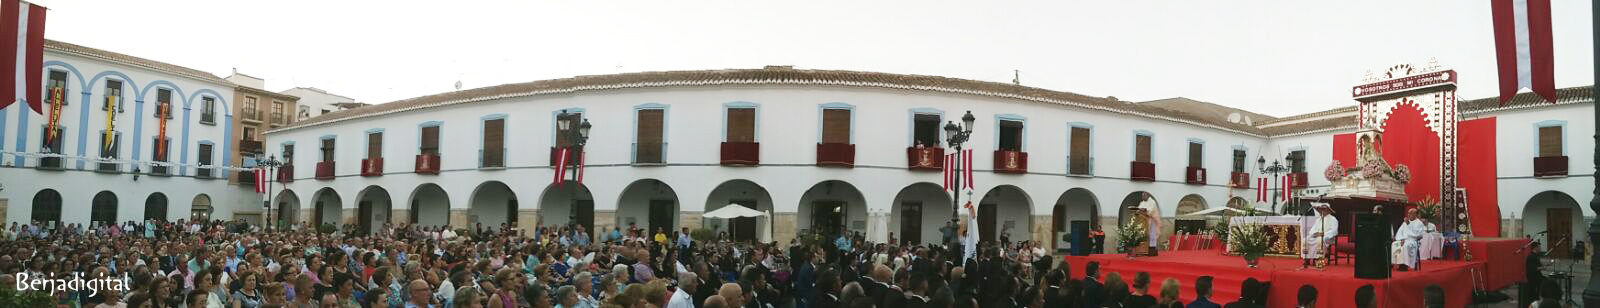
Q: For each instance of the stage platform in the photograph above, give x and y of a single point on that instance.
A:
(1336, 285)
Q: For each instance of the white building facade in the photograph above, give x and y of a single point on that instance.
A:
(820, 150)
(79, 177)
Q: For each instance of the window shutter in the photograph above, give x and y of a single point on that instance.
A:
(1195, 154)
(1011, 135)
(1142, 148)
(927, 130)
(836, 126)
(205, 154)
(375, 145)
(1549, 141)
(561, 135)
(741, 125)
(648, 149)
(494, 143)
(288, 154)
(1080, 150)
(327, 150)
(1238, 161)
(430, 140)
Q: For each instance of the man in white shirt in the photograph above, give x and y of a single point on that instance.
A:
(688, 282)
(969, 235)
(1315, 245)
(1410, 234)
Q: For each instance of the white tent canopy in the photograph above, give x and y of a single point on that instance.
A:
(734, 211)
(1215, 211)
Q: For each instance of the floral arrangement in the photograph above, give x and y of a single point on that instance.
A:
(1249, 240)
(1130, 234)
(1428, 209)
(1402, 174)
(1372, 169)
(1335, 172)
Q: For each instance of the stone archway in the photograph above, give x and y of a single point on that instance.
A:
(493, 203)
(286, 208)
(572, 202)
(1238, 203)
(1129, 203)
(1559, 214)
(1189, 224)
(155, 207)
(103, 209)
(373, 209)
(1004, 210)
(1075, 213)
(831, 207)
(919, 212)
(327, 208)
(47, 206)
(430, 206)
(650, 204)
(747, 194)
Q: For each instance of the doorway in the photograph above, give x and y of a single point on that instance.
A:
(583, 211)
(827, 218)
(910, 222)
(1559, 222)
(986, 221)
(661, 215)
(743, 228)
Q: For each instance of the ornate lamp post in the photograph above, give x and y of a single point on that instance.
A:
(577, 138)
(958, 135)
(270, 165)
(1591, 295)
(1276, 169)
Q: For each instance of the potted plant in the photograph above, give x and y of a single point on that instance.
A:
(1250, 241)
(1129, 235)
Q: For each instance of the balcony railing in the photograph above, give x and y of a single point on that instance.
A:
(1142, 171)
(555, 156)
(286, 173)
(250, 146)
(50, 163)
(741, 153)
(160, 170)
(204, 173)
(108, 167)
(372, 167)
(1194, 175)
(836, 155)
(1239, 180)
(649, 153)
(1550, 166)
(277, 119)
(1301, 179)
(325, 170)
(208, 118)
(250, 115)
(925, 158)
(1010, 161)
(427, 164)
(246, 177)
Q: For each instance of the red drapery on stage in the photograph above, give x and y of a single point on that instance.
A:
(1407, 140)
(1344, 151)
(1476, 146)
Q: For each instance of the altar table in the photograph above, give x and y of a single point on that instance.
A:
(1283, 232)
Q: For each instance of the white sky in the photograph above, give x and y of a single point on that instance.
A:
(1273, 57)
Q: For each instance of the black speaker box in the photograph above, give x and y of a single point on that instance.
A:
(1372, 241)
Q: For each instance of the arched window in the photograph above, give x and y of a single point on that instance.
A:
(47, 206)
(155, 207)
(104, 208)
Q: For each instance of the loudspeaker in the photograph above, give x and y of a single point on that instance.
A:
(1372, 240)
(1080, 238)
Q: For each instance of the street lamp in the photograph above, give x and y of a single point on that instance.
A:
(1277, 168)
(576, 139)
(958, 135)
(270, 165)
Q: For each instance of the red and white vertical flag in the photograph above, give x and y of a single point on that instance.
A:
(966, 167)
(949, 168)
(21, 54)
(1288, 182)
(261, 181)
(1261, 189)
(561, 166)
(1524, 48)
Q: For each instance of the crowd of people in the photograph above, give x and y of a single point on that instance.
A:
(234, 264)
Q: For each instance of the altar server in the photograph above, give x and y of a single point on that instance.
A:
(1411, 233)
(1321, 234)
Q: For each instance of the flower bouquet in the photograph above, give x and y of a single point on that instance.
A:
(1250, 241)
(1335, 172)
(1129, 235)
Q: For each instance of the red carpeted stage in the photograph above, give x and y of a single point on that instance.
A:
(1336, 285)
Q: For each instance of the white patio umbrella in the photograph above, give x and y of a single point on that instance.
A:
(1215, 211)
(734, 211)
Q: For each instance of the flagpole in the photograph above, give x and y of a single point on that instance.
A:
(1591, 294)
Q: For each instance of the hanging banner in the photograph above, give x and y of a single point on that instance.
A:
(161, 129)
(56, 95)
(111, 116)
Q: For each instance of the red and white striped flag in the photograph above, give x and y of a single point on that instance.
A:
(561, 166)
(1288, 181)
(580, 166)
(261, 181)
(1261, 189)
(1524, 48)
(966, 167)
(949, 174)
(22, 31)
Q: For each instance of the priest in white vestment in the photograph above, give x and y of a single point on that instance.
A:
(1410, 234)
(1320, 237)
(1151, 212)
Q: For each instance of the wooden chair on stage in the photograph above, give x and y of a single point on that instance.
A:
(1343, 248)
(1452, 246)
